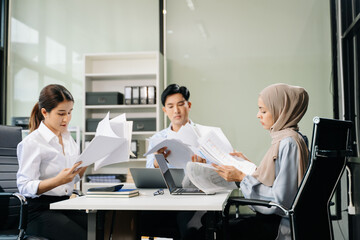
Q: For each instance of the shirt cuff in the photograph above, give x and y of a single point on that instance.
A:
(34, 186)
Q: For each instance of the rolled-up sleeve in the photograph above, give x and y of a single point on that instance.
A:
(28, 174)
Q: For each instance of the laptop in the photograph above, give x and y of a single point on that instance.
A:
(169, 180)
(152, 177)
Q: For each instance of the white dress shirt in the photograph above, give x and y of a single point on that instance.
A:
(41, 157)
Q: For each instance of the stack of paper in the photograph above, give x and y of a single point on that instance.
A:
(217, 151)
(111, 143)
(206, 179)
(207, 142)
(122, 193)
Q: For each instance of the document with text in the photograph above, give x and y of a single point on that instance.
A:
(217, 151)
(206, 179)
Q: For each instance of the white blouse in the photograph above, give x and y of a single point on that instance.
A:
(40, 157)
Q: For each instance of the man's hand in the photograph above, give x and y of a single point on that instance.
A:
(164, 152)
(229, 173)
(196, 158)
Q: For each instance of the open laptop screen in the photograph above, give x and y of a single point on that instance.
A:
(165, 170)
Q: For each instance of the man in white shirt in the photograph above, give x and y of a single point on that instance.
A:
(176, 106)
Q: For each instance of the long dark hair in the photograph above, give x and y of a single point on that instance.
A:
(50, 97)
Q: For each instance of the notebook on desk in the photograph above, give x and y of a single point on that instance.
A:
(152, 177)
(169, 180)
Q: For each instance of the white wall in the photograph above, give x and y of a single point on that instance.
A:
(226, 52)
(50, 37)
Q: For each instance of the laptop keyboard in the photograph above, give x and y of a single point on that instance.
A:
(187, 190)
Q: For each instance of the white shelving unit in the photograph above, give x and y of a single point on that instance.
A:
(112, 72)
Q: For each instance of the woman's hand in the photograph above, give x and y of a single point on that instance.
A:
(229, 173)
(240, 155)
(196, 158)
(82, 171)
(67, 174)
(162, 151)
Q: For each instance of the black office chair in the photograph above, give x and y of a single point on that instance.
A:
(13, 206)
(309, 213)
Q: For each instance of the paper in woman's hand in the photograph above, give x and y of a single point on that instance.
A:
(111, 143)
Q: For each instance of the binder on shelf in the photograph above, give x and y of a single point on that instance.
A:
(151, 95)
(143, 95)
(128, 95)
(134, 148)
(135, 95)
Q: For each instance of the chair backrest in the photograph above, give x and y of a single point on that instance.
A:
(329, 150)
(9, 210)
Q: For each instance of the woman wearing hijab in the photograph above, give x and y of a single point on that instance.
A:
(280, 172)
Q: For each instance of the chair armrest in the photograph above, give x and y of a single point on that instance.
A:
(245, 201)
(78, 192)
(23, 208)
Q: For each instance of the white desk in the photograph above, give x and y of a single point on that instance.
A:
(146, 201)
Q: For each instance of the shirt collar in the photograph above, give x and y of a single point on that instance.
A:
(191, 123)
(47, 134)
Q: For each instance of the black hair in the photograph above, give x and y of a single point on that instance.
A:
(50, 97)
(172, 89)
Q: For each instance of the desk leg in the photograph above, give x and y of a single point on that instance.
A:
(91, 225)
(211, 221)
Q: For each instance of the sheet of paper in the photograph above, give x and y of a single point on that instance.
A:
(217, 151)
(111, 143)
(121, 127)
(205, 178)
(104, 127)
(180, 152)
(98, 148)
(187, 134)
(119, 153)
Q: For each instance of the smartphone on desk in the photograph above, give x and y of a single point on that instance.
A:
(106, 189)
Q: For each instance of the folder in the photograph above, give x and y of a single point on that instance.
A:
(151, 95)
(134, 148)
(135, 95)
(143, 95)
(128, 94)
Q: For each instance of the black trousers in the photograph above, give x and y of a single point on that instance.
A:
(55, 224)
(257, 227)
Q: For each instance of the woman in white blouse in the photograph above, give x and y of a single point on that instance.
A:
(47, 169)
(279, 174)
